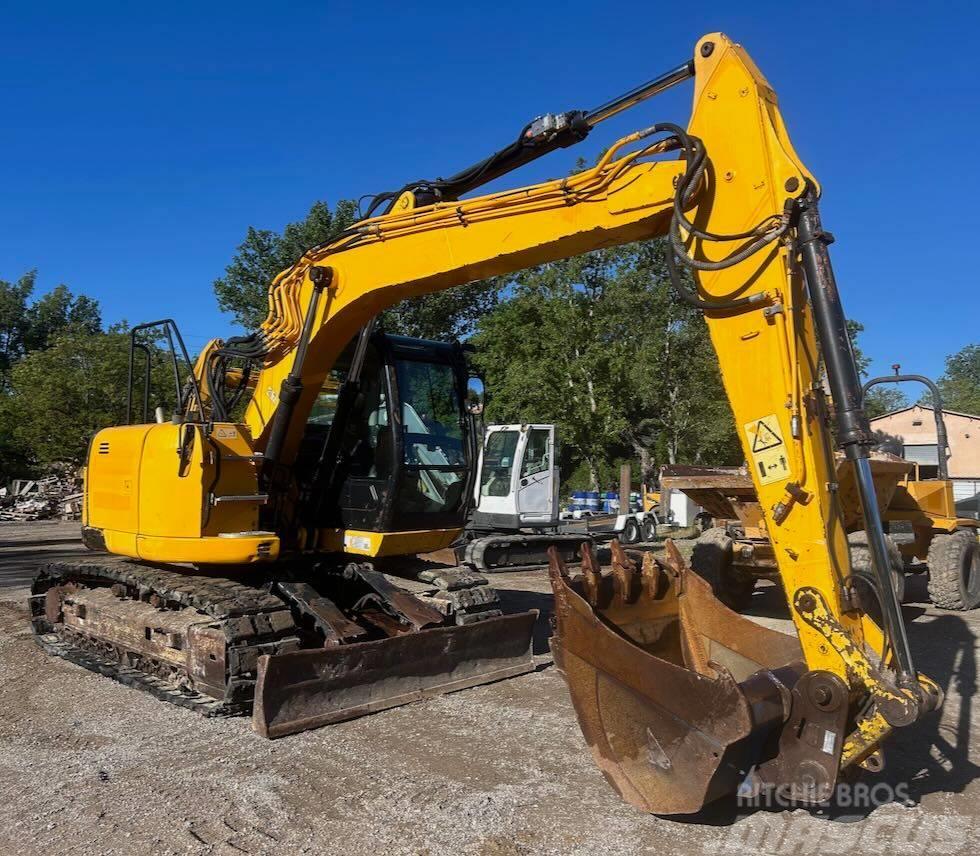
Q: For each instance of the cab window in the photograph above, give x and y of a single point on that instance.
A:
(432, 435)
(498, 459)
(536, 457)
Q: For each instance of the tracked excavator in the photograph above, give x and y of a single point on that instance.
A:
(254, 551)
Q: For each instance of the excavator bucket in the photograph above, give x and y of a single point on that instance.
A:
(306, 689)
(681, 700)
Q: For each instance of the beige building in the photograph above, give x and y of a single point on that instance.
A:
(914, 432)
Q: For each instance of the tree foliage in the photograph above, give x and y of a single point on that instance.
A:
(26, 327)
(62, 394)
(960, 382)
(883, 399)
(599, 345)
(62, 377)
(445, 315)
(13, 321)
(66, 392)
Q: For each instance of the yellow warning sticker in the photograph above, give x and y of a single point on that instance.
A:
(768, 449)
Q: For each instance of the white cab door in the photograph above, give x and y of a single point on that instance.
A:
(499, 464)
(537, 476)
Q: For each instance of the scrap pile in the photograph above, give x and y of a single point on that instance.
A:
(56, 496)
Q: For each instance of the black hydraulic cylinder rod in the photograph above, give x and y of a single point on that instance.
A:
(575, 126)
(640, 93)
(853, 430)
(292, 385)
(942, 439)
(519, 153)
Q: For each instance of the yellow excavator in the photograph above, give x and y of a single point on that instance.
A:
(257, 532)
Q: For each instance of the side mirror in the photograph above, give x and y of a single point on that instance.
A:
(475, 396)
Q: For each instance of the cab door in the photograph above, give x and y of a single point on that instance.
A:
(499, 465)
(537, 477)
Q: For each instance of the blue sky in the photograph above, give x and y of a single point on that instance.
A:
(141, 140)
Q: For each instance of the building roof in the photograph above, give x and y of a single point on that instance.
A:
(924, 407)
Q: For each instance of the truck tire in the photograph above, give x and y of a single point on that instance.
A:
(712, 561)
(954, 570)
(649, 530)
(631, 531)
(861, 564)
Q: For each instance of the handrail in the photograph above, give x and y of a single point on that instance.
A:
(942, 442)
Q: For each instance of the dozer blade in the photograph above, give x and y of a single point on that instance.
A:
(678, 697)
(310, 688)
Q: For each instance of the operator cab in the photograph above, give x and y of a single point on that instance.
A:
(407, 447)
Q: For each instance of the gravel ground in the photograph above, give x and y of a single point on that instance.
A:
(90, 767)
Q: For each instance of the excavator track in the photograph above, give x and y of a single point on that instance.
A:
(202, 635)
(194, 640)
(500, 553)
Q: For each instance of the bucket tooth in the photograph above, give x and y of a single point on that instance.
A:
(674, 563)
(556, 565)
(654, 581)
(626, 576)
(591, 576)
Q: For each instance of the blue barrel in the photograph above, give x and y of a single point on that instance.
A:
(591, 500)
(578, 500)
(610, 503)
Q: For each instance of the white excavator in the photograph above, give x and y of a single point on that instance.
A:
(516, 516)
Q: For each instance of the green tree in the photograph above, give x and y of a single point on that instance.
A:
(26, 327)
(960, 382)
(677, 407)
(599, 345)
(544, 361)
(445, 315)
(883, 399)
(60, 310)
(243, 290)
(13, 321)
(15, 455)
(61, 395)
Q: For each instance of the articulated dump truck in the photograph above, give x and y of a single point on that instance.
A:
(263, 534)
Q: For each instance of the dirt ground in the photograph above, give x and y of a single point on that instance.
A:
(88, 766)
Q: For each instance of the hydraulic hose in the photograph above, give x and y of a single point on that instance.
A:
(760, 236)
(691, 299)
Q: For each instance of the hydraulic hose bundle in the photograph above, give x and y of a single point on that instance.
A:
(756, 238)
(249, 350)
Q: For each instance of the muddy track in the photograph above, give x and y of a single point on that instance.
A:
(251, 621)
